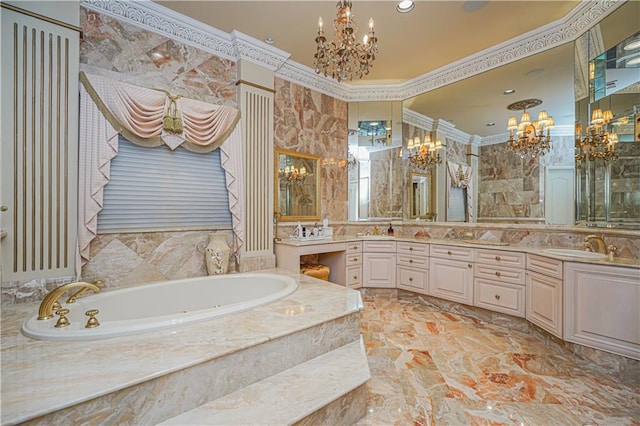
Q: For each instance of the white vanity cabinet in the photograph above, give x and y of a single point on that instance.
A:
(451, 273)
(379, 264)
(602, 307)
(499, 281)
(412, 272)
(354, 264)
(544, 293)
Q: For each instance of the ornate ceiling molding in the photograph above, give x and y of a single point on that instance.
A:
(418, 120)
(162, 20)
(259, 52)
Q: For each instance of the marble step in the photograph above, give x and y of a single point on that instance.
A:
(327, 387)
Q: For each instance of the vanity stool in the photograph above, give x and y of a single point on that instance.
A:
(315, 270)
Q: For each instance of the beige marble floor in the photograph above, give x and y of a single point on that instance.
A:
(434, 368)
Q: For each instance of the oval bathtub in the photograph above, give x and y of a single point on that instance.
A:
(163, 304)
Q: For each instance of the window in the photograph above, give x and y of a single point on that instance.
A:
(156, 189)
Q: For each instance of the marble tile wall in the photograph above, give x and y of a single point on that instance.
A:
(386, 180)
(310, 122)
(509, 187)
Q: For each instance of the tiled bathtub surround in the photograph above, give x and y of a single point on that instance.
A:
(431, 367)
(147, 378)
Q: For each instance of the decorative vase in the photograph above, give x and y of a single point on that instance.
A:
(217, 255)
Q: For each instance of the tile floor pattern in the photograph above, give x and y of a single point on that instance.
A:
(430, 367)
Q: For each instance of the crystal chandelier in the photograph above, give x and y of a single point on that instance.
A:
(291, 175)
(597, 143)
(423, 156)
(343, 58)
(529, 139)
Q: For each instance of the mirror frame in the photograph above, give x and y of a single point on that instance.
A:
(430, 215)
(315, 191)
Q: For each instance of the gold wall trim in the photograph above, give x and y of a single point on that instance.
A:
(41, 17)
(257, 86)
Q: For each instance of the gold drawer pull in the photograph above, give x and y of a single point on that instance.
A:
(449, 253)
(497, 274)
(410, 260)
(410, 248)
(354, 247)
(355, 259)
(470, 265)
(497, 296)
(498, 258)
(355, 277)
(410, 279)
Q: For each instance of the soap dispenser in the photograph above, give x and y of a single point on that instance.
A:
(390, 231)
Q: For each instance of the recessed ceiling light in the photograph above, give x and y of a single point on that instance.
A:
(491, 124)
(509, 92)
(535, 73)
(634, 44)
(405, 6)
(269, 40)
(634, 61)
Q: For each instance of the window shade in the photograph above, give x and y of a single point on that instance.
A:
(156, 189)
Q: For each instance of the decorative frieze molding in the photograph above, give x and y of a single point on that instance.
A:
(256, 51)
(162, 20)
(418, 120)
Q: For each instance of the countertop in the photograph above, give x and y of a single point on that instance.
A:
(484, 244)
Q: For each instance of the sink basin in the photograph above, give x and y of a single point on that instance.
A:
(574, 253)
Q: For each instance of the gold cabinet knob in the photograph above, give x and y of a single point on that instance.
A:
(498, 258)
(355, 277)
(449, 253)
(470, 265)
(497, 274)
(410, 260)
(497, 296)
(92, 322)
(63, 321)
(410, 248)
(410, 279)
(355, 259)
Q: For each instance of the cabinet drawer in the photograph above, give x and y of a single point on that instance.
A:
(415, 249)
(500, 274)
(544, 265)
(354, 259)
(497, 297)
(451, 252)
(412, 279)
(413, 261)
(500, 257)
(354, 246)
(354, 276)
(379, 246)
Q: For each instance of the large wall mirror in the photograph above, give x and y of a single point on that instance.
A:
(420, 196)
(376, 171)
(297, 186)
(608, 121)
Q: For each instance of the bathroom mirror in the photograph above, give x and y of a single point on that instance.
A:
(608, 79)
(376, 171)
(420, 198)
(297, 186)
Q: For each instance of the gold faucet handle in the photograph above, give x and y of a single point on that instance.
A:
(63, 321)
(92, 322)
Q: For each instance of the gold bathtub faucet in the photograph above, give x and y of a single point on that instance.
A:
(46, 307)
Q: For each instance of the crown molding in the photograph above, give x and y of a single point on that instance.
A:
(416, 119)
(236, 45)
(494, 139)
(256, 51)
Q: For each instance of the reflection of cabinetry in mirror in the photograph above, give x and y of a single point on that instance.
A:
(607, 142)
(297, 185)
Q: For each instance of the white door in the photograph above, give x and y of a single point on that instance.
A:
(559, 196)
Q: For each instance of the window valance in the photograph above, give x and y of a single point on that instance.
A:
(148, 117)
